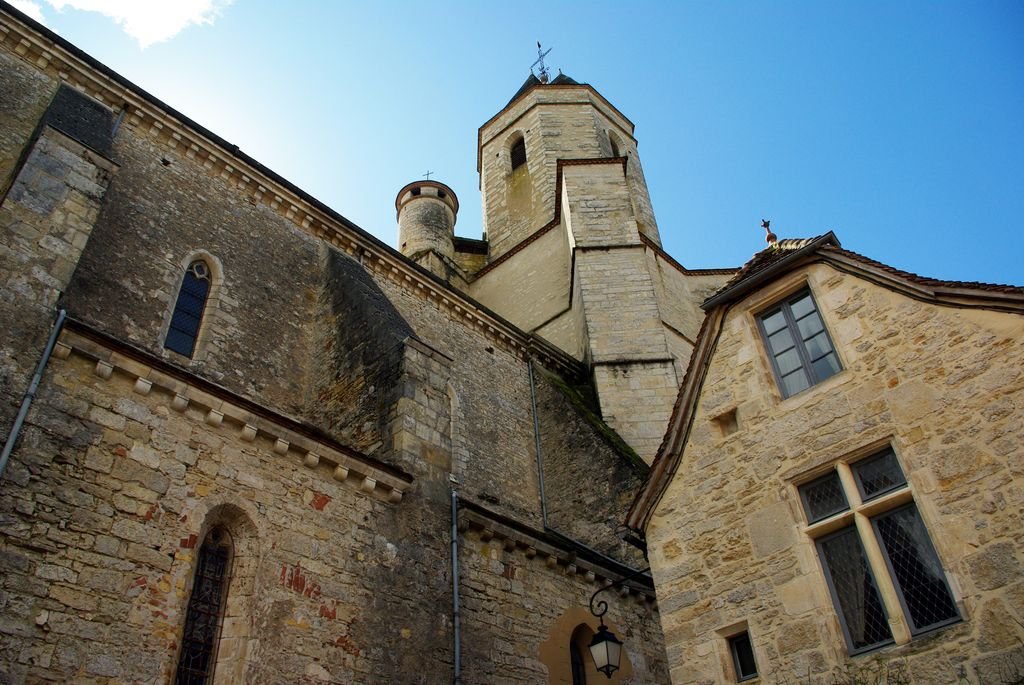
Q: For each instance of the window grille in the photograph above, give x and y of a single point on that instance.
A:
(205, 610)
(854, 591)
(915, 567)
(910, 561)
(188, 310)
(823, 497)
(878, 475)
(799, 346)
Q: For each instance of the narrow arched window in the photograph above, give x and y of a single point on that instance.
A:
(518, 153)
(615, 146)
(205, 610)
(579, 669)
(188, 310)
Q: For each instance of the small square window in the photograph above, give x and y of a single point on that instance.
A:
(743, 657)
(799, 345)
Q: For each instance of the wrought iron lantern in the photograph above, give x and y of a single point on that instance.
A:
(605, 648)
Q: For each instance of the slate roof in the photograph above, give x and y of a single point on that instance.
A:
(531, 81)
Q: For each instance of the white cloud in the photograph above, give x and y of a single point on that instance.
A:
(151, 21)
(30, 8)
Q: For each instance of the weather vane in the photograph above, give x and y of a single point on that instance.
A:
(543, 70)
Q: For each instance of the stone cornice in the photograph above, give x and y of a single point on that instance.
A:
(179, 135)
(562, 558)
(223, 410)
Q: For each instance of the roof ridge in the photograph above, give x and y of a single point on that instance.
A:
(926, 280)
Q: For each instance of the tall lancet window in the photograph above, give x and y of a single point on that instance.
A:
(205, 610)
(579, 669)
(188, 310)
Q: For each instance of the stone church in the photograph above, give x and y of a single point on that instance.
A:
(247, 442)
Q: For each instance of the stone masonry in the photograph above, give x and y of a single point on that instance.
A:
(942, 385)
(337, 397)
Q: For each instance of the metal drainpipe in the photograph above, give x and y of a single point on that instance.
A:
(30, 394)
(536, 443)
(456, 620)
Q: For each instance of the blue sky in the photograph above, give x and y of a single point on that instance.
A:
(899, 125)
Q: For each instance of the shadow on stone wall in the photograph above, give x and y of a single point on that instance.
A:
(357, 355)
(590, 474)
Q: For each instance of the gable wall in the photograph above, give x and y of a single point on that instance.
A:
(944, 387)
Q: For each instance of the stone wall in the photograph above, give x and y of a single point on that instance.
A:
(532, 287)
(26, 96)
(107, 500)
(944, 387)
(506, 630)
(679, 293)
(54, 194)
(358, 342)
(489, 393)
(163, 209)
(576, 447)
(335, 394)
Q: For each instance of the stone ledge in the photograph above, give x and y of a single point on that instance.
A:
(225, 415)
(558, 559)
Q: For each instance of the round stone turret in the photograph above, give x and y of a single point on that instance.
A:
(426, 218)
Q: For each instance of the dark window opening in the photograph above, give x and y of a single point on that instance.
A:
(743, 656)
(205, 610)
(188, 310)
(798, 344)
(518, 153)
(441, 194)
(415, 191)
(579, 670)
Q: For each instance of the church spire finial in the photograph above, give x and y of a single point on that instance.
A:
(770, 238)
(543, 75)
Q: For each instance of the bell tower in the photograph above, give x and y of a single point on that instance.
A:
(574, 254)
(519, 151)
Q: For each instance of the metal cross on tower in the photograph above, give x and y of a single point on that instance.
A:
(540, 60)
(427, 175)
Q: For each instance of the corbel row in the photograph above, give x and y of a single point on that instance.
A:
(556, 559)
(219, 413)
